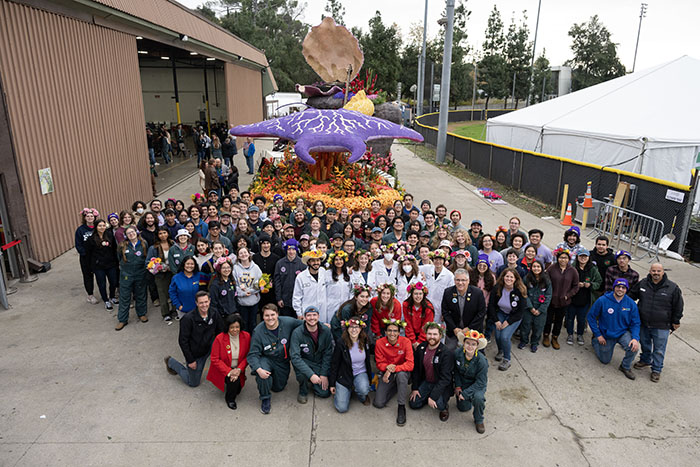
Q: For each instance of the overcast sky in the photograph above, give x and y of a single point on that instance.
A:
(669, 30)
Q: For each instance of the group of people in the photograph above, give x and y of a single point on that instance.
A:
(402, 299)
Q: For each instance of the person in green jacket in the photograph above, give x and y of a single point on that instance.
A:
(589, 280)
(471, 375)
(181, 250)
(311, 350)
(132, 276)
(539, 296)
(269, 353)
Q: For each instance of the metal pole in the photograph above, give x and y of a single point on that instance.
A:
(432, 84)
(513, 95)
(206, 99)
(642, 14)
(421, 64)
(534, 48)
(177, 95)
(474, 90)
(445, 83)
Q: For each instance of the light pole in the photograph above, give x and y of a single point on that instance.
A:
(421, 65)
(534, 47)
(445, 83)
(642, 14)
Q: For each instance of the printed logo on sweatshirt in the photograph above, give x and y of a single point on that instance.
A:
(611, 311)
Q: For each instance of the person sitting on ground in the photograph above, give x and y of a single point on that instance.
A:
(350, 365)
(432, 372)
(311, 350)
(229, 359)
(614, 319)
(621, 270)
(269, 354)
(471, 375)
(358, 306)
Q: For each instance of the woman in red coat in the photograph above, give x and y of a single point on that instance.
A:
(229, 357)
(417, 310)
(385, 307)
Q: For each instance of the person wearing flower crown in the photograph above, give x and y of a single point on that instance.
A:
(310, 284)
(385, 268)
(338, 285)
(286, 271)
(394, 357)
(437, 279)
(351, 365)
(359, 306)
(417, 311)
(432, 372)
(471, 375)
(310, 350)
(385, 307)
(408, 274)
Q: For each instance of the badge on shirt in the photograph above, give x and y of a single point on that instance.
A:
(454, 300)
(105, 243)
(126, 251)
(436, 360)
(224, 292)
(138, 253)
(514, 304)
(611, 311)
(400, 352)
(284, 341)
(283, 269)
(267, 347)
(306, 349)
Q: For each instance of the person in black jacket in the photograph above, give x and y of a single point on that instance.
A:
(602, 257)
(101, 249)
(660, 310)
(285, 275)
(266, 261)
(507, 303)
(197, 333)
(463, 306)
(350, 365)
(222, 288)
(432, 372)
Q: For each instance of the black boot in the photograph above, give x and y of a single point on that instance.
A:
(232, 404)
(401, 416)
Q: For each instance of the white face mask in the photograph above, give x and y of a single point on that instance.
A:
(139, 210)
(407, 268)
(389, 256)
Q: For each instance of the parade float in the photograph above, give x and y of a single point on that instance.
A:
(337, 150)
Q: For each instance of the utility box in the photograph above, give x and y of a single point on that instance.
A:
(592, 214)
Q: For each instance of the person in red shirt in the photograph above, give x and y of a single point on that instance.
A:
(394, 357)
(385, 306)
(417, 311)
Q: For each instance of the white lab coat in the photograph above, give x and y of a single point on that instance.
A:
(402, 285)
(308, 292)
(437, 286)
(337, 293)
(380, 274)
(356, 278)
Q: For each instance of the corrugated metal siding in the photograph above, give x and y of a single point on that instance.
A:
(243, 95)
(74, 99)
(178, 18)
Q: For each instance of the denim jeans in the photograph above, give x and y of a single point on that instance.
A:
(424, 390)
(605, 352)
(190, 377)
(249, 314)
(473, 399)
(152, 156)
(579, 313)
(200, 156)
(503, 336)
(653, 343)
(360, 384)
(251, 164)
(102, 275)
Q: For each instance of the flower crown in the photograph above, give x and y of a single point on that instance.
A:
(92, 211)
(416, 286)
(313, 254)
(357, 289)
(473, 334)
(398, 322)
(408, 257)
(359, 252)
(560, 251)
(501, 229)
(354, 321)
(390, 248)
(338, 254)
(196, 196)
(220, 262)
(386, 285)
(434, 325)
(439, 253)
(460, 252)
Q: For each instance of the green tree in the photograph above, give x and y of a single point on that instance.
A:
(595, 54)
(542, 78)
(493, 72)
(518, 55)
(207, 10)
(336, 10)
(381, 46)
(460, 78)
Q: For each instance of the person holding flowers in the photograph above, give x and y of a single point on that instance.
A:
(417, 311)
(471, 375)
(159, 267)
(222, 288)
(385, 307)
(394, 357)
(359, 305)
(350, 365)
(432, 372)
(247, 275)
(338, 285)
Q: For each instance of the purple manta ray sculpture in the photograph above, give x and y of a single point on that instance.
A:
(327, 131)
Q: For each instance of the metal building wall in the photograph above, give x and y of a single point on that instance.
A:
(74, 100)
(244, 99)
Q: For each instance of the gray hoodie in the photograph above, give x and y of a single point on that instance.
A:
(247, 281)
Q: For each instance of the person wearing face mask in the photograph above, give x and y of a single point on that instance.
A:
(311, 350)
(408, 274)
(310, 284)
(386, 268)
(350, 365)
(132, 280)
(138, 209)
(432, 372)
(471, 375)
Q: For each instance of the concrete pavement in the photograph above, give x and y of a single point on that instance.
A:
(107, 399)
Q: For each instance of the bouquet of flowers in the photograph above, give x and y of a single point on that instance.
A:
(155, 265)
(265, 283)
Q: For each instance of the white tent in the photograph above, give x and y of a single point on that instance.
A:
(644, 122)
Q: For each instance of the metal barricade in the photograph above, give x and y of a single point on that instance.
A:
(627, 228)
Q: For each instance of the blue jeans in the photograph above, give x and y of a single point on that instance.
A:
(579, 313)
(360, 384)
(653, 343)
(249, 314)
(152, 156)
(473, 399)
(200, 156)
(503, 336)
(251, 164)
(424, 390)
(190, 377)
(605, 352)
(102, 275)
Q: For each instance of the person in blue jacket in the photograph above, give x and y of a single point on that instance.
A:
(184, 287)
(249, 152)
(614, 319)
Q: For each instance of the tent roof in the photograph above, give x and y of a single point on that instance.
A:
(659, 103)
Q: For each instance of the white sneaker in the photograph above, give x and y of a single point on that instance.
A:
(108, 305)
(91, 299)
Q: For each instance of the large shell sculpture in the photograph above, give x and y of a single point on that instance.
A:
(330, 49)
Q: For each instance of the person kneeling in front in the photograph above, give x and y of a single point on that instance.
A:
(311, 350)
(198, 329)
(229, 358)
(269, 353)
(471, 375)
(432, 372)
(351, 365)
(394, 357)
(614, 319)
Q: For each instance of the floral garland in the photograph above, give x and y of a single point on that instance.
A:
(359, 288)
(92, 211)
(561, 251)
(400, 323)
(434, 325)
(386, 285)
(439, 253)
(417, 286)
(354, 321)
(339, 254)
(390, 248)
(407, 257)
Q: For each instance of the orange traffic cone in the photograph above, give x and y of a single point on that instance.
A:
(567, 217)
(588, 199)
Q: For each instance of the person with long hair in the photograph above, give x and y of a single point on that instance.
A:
(506, 308)
(338, 285)
(102, 251)
(417, 311)
(482, 277)
(203, 252)
(564, 286)
(407, 274)
(385, 306)
(222, 288)
(162, 278)
(442, 233)
(82, 235)
(229, 359)
(132, 278)
(500, 241)
(486, 244)
(138, 209)
(517, 241)
(539, 296)
(184, 287)
(529, 257)
(181, 249)
(359, 306)
(125, 220)
(350, 365)
(588, 280)
(459, 261)
(246, 275)
(362, 273)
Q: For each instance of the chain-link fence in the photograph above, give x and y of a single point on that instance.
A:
(543, 176)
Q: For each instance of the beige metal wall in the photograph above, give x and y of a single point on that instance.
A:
(244, 99)
(74, 100)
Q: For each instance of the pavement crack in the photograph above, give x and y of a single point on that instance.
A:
(314, 434)
(685, 342)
